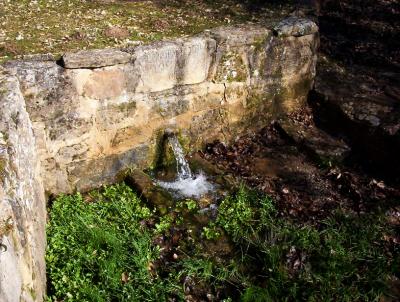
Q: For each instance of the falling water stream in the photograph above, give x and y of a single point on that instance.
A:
(186, 184)
(182, 166)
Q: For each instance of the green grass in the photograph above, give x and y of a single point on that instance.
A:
(98, 250)
(344, 258)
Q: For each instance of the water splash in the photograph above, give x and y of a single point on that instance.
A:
(195, 187)
(186, 184)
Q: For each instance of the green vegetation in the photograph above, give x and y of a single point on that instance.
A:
(211, 232)
(343, 259)
(102, 248)
(97, 250)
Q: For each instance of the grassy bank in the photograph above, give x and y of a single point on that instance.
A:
(57, 26)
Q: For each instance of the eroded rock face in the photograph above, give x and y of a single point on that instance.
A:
(22, 201)
(106, 108)
(78, 126)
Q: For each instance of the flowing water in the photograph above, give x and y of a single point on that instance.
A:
(186, 184)
(182, 166)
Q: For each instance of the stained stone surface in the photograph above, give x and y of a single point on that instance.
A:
(22, 200)
(95, 58)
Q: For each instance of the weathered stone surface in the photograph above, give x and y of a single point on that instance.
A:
(296, 27)
(163, 65)
(155, 195)
(240, 35)
(105, 84)
(317, 142)
(197, 56)
(95, 58)
(22, 201)
(45, 88)
(105, 170)
(210, 86)
(156, 66)
(294, 60)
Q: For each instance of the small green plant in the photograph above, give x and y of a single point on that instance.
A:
(188, 204)
(164, 224)
(211, 232)
(236, 215)
(191, 205)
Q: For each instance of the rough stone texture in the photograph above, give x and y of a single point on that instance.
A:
(159, 198)
(295, 27)
(90, 124)
(95, 58)
(22, 201)
(363, 106)
(106, 110)
(316, 141)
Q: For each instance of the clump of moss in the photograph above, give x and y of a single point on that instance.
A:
(5, 227)
(3, 165)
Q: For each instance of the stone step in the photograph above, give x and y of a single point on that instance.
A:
(315, 141)
(363, 106)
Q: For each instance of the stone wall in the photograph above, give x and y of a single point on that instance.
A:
(102, 111)
(77, 124)
(22, 200)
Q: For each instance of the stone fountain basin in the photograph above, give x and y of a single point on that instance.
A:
(76, 124)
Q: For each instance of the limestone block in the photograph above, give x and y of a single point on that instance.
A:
(110, 115)
(197, 58)
(240, 35)
(22, 201)
(95, 58)
(164, 65)
(170, 106)
(71, 124)
(156, 66)
(105, 84)
(43, 86)
(88, 174)
(232, 67)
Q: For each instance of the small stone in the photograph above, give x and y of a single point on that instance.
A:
(296, 27)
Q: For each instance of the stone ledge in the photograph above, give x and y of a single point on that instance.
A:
(95, 58)
(239, 35)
